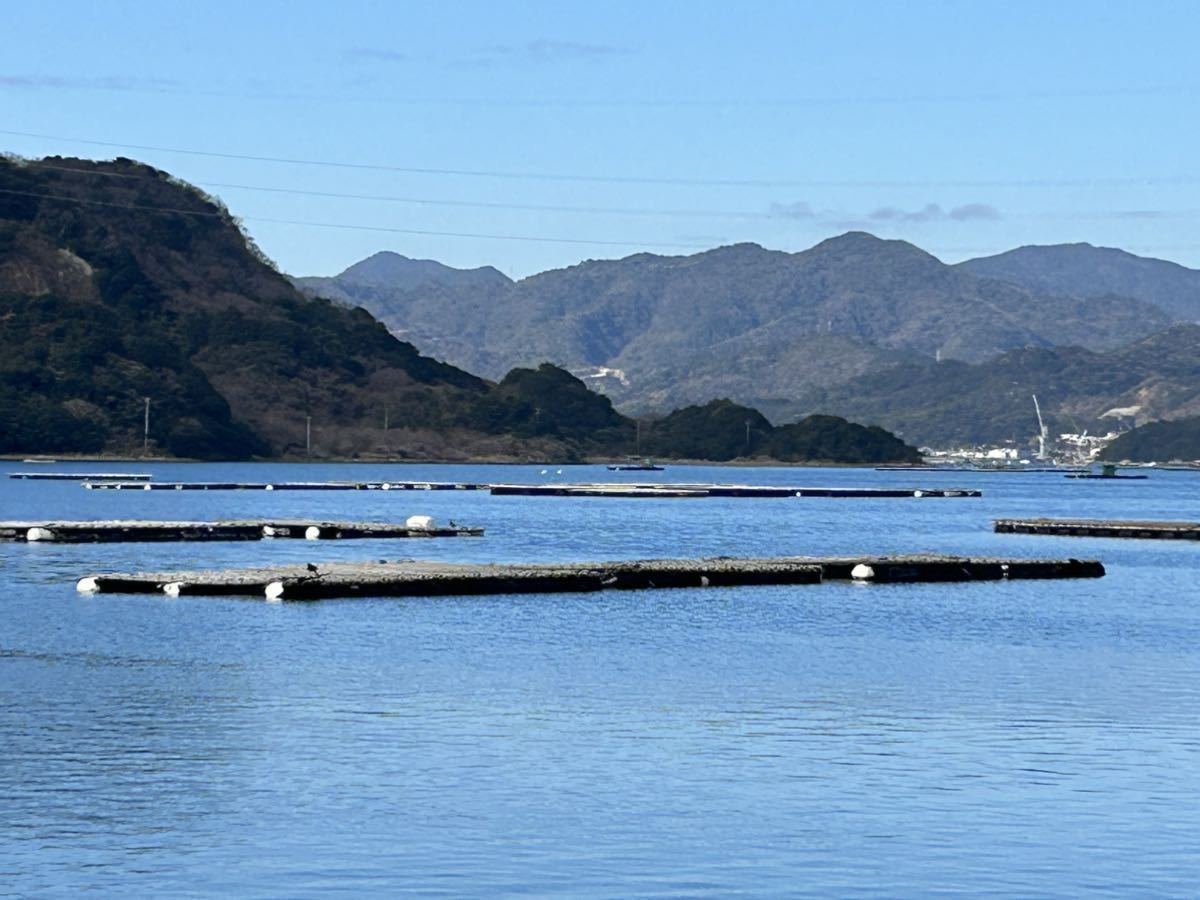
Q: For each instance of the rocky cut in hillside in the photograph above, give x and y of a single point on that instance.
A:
(119, 283)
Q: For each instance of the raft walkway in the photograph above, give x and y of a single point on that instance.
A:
(285, 486)
(435, 579)
(658, 490)
(131, 531)
(668, 489)
(1108, 528)
(81, 476)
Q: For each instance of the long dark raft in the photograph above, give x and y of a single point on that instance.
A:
(430, 579)
(81, 476)
(624, 490)
(285, 486)
(667, 489)
(250, 530)
(1163, 531)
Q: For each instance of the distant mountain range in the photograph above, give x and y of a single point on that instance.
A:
(788, 333)
(386, 272)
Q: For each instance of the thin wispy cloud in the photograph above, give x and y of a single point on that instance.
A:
(798, 210)
(930, 212)
(1141, 214)
(927, 213)
(975, 212)
(100, 82)
(375, 54)
(545, 50)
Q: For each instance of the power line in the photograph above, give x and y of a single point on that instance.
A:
(437, 201)
(632, 179)
(837, 219)
(346, 226)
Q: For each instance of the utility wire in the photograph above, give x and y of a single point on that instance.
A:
(632, 179)
(342, 225)
(436, 201)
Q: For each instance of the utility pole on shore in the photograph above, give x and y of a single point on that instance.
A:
(146, 429)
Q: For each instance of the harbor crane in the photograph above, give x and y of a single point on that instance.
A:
(1042, 431)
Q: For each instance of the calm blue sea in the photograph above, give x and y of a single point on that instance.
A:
(1009, 739)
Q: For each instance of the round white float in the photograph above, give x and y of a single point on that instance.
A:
(171, 588)
(87, 585)
(862, 572)
(425, 522)
(39, 534)
(312, 533)
(274, 592)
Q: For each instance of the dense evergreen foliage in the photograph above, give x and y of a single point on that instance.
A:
(549, 400)
(719, 430)
(833, 439)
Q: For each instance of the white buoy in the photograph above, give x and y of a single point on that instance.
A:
(918, 493)
(268, 531)
(87, 585)
(171, 588)
(385, 486)
(269, 487)
(274, 592)
(312, 533)
(545, 471)
(862, 572)
(39, 534)
(145, 487)
(179, 487)
(425, 522)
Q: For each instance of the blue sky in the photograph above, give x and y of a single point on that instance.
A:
(535, 135)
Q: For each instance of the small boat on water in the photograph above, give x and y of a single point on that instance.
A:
(643, 466)
(1108, 472)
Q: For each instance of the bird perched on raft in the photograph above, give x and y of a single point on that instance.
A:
(312, 568)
